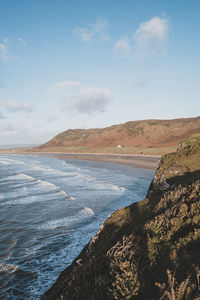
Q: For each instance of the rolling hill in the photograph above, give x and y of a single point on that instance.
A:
(145, 134)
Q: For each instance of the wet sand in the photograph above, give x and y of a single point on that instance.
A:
(144, 162)
(136, 161)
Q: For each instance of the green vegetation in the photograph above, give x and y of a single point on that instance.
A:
(108, 150)
(184, 160)
(150, 249)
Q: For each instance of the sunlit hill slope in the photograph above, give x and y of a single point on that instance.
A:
(145, 136)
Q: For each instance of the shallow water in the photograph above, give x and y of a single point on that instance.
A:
(49, 210)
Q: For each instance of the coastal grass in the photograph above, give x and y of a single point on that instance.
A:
(128, 150)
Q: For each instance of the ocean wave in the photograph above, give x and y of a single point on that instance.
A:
(65, 176)
(47, 184)
(27, 199)
(2, 162)
(101, 182)
(10, 161)
(49, 170)
(21, 176)
(22, 192)
(70, 166)
(86, 212)
(8, 268)
(35, 184)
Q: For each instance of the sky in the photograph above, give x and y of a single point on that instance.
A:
(94, 63)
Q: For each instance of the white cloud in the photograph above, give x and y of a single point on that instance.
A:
(97, 29)
(148, 39)
(15, 106)
(90, 100)
(74, 96)
(67, 84)
(7, 49)
(3, 52)
(152, 33)
(123, 45)
(22, 42)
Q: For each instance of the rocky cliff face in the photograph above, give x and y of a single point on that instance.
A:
(150, 249)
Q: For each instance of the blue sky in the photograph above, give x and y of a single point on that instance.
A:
(85, 64)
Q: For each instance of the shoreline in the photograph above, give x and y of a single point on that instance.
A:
(136, 161)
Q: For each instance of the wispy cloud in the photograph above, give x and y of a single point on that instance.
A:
(63, 85)
(151, 35)
(8, 49)
(99, 30)
(74, 96)
(15, 106)
(4, 52)
(22, 42)
(149, 38)
(123, 45)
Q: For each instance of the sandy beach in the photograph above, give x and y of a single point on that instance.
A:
(144, 162)
(136, 161)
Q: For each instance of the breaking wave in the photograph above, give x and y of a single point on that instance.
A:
(86, 212)
(8, 268)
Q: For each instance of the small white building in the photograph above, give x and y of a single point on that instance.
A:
(119, 146)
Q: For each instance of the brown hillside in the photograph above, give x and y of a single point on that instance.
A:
(146, 133)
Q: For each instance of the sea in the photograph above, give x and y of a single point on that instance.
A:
(49, 210)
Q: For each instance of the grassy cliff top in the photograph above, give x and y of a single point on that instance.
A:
(185, 160)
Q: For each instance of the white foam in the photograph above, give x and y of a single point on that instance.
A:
(8, 268)
(84, 213)
(4, 162)
(87, 211)
(64, 194)
(101, 184)
(10, 161)
(47, 184)
(48, 170)
(32, 199)
(70, 166)
(21, 176)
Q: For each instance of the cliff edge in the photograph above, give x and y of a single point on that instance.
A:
(150, 249)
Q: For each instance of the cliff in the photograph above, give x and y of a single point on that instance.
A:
(136, 134)
(150, 249)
